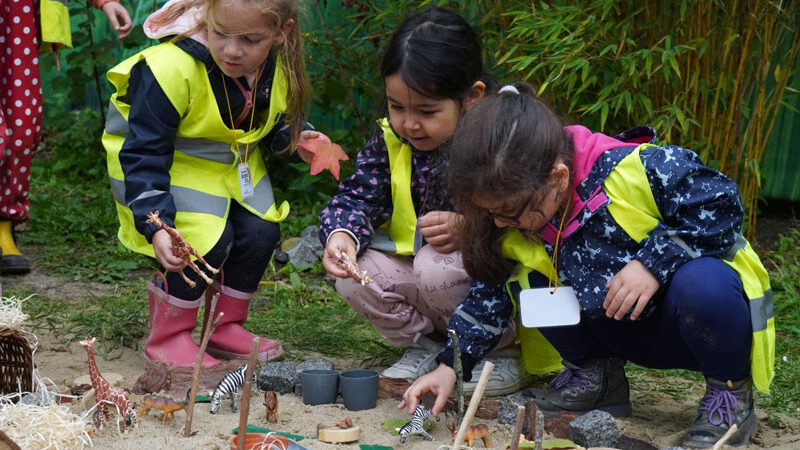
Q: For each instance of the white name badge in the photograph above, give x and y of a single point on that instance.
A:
(245, 181)
(544, 308)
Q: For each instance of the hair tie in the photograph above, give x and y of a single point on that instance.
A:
(509, 88)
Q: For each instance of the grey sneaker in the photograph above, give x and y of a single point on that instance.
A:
(599, 384)
(419, 359)
(507, 377)
(721, 407)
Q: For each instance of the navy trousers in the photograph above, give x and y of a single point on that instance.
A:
(243, 252)
(702, 323)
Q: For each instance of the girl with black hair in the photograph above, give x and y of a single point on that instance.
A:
(394, 217)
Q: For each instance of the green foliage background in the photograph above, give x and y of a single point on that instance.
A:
(707, 75)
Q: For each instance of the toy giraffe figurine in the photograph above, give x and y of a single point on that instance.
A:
(182, 250)
(106, 394)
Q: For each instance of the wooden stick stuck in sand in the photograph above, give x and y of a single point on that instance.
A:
(244, 409)
(198, 363)
(724, 437)
(518, 427)
(488, 366)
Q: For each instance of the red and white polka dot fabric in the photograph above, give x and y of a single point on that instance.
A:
(20, 104)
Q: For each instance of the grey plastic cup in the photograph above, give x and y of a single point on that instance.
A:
(359, 389)
(319, 386)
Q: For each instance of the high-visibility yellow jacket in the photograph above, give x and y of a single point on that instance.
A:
(627, 195)
(397, 235)
(54, 16)
(204, 177)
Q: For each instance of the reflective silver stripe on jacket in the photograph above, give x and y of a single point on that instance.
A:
(263, 197)
(761, 309)
(197, 147)
(186, 199)
(740, 243)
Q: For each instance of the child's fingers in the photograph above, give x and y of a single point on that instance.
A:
(614, 299)
(626, 305)
(439, 404)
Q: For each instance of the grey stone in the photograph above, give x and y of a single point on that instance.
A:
(594, 429)
(280, 257)
(39, 398)
(672, 448)
(507, 413)
(308, 249)
(278, 376)
(310, 364)
(311, 236)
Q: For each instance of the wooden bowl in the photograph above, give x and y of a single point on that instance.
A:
(335, 435)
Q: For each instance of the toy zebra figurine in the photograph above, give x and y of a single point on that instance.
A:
(416, 425)
(230, 384)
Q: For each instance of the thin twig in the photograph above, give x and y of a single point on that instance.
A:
(518, 427)
(244, 407)
(724, 438)
(473, 403)
(458, 368)
(198, 364)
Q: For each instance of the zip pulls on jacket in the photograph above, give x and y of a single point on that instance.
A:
(248, 94)
(245, 177)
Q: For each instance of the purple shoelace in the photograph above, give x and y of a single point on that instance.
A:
(569, 375)
(720, 404)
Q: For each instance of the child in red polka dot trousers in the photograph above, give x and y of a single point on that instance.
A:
(21, 102)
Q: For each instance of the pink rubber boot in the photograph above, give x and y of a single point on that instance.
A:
(230, 340)
(171, 323)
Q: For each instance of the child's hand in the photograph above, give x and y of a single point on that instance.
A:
(634, 284)
(162, 246)
(305, 135)
(118, 17)
(318, 149)
(440, 229)
(339, 243)
(439, 382)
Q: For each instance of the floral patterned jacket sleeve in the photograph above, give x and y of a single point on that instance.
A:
(700, 208)
(363, 200)
(479, 322)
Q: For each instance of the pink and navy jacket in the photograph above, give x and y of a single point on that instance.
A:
(702, 216)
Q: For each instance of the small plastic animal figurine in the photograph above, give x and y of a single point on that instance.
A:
(474, 431)
(107, 395)
(360, 276)
(231, 384)
(271, 405)
(167, 405)
(182, 250)
(416, 425)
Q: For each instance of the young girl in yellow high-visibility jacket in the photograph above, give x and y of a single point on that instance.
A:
(647, 237)
(182, 140)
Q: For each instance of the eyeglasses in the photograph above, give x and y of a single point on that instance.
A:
(513, 220)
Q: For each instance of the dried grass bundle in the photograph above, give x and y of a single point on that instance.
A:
(11, 315)
(43, 427)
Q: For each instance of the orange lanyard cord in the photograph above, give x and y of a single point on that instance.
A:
(554, 261)
(230, 114)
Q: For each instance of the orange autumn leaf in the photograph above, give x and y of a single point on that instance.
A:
(326, 155)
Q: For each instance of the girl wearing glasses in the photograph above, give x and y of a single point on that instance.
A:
(645, 237)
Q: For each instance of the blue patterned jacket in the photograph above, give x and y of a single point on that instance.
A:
(702, 216)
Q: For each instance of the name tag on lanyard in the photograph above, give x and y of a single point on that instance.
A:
(541, 307)
(245, 181)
